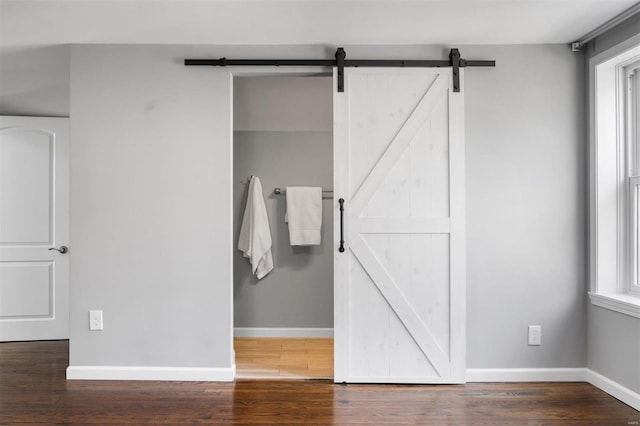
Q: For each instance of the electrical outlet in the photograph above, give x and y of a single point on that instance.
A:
(535, 335)
(95, 320)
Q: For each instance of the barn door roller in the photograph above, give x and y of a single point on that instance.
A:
(340, 62)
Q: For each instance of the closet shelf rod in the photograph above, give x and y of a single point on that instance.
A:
(326, 193)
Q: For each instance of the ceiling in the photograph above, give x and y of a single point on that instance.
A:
(34, 35)
(50, 22)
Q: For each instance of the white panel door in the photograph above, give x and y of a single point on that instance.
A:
(400, 283)
(34, 218)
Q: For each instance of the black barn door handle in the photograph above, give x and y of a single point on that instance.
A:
(341, 248)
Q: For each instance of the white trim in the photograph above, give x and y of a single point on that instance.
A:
(267, 374)
(526, 374)
(259, 71)
(341, 261)
(282, 332)
(231, 230)
(198, 374)
(608, 253)
(611, 23)
(624, 303)
(634, 194)
(457, 240)
(615, 50)
(614, 389)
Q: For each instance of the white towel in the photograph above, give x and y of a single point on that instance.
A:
(255, 234)
(304, 215)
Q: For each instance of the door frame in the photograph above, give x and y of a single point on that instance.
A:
(258, 71)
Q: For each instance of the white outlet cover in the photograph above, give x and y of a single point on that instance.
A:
(95, 320)
(535, 335)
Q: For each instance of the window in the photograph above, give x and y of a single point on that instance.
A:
(631, 76)
(615, 178)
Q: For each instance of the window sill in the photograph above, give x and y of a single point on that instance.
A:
(623, 303)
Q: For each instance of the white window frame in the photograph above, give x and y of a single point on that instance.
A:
(611, 197)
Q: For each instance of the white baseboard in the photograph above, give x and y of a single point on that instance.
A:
(198, 374)
(607, 385)
(614, 389)
(282, 332)
(526, 374)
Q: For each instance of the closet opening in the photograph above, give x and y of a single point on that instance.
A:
(283, 135)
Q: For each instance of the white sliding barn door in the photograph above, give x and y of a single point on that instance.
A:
(400, 283)
(34, 218)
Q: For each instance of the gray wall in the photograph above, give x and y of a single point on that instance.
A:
(526, 215)
(151, 202)
(299, 291)
(614, 346)
(150, 208)
(34, 81)
(283, 104)
(613, 337)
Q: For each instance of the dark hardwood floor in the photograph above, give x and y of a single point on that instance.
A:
(33, 389)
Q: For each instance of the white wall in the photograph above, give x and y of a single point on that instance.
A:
(151, 201)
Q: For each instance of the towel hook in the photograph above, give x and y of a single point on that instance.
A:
(246, 182)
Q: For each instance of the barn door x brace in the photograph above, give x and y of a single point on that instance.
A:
(340, 62)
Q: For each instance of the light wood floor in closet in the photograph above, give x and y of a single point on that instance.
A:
(276, 358)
